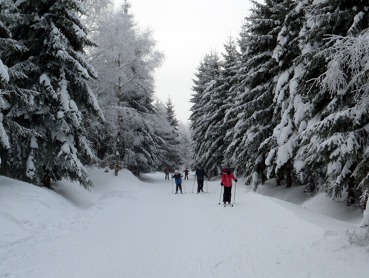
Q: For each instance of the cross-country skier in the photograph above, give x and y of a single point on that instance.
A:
(178, 180)
(186, 171)
(226, 182)
(166, 171)
(200, 174)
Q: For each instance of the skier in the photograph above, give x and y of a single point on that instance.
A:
(226, 182)
(186, 171)
(166, 170)
(200, 174)
(178, 180)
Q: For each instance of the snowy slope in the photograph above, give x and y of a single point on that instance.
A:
(124, 227)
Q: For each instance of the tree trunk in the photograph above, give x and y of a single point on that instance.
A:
(4, 161)
(365, 222)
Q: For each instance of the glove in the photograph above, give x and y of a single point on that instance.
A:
(221, 184)
(235, 180)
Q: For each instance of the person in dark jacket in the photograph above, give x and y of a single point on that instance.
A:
(200, 175)
(166, 170)
(186, 171)
(178, 180)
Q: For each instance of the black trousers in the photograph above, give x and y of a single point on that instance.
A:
(200, 185)
(178, 186)
(227, 194)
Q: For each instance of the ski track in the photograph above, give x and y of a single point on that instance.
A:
(155, 233)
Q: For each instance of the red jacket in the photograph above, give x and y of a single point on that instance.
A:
(227, 179)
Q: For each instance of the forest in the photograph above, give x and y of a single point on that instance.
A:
(287, 100)
(77, 89)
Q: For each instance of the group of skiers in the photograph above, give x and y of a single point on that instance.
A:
(226, 181)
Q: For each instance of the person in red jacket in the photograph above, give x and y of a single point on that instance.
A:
(226, 182)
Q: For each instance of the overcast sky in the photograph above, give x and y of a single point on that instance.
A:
(185, 31)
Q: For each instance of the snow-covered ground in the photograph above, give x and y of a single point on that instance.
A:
(125, 227)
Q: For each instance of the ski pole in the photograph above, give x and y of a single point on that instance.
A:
(172, 185)
(234, 196)
(193, 184)
(220, 196)
(207, 187)
(184, 187)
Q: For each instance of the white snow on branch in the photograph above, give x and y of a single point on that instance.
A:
(4, 72)
(3, 135)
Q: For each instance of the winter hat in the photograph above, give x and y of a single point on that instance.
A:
(226, 170)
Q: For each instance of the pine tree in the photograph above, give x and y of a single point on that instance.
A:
(255, 92)
(202, 111)
(174, 153)
(170, 144)
(171, 114)
(335, 140)
(8, 45)
(287, 109)
(185, 145)
(15, 97)
(222, 101)
(347, 78)
(56, 71)
(233, 137)
(212, 144)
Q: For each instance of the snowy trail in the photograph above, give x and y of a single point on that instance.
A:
(128, 228)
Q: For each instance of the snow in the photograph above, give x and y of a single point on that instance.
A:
(280, 90)
(3, 72)
(4, 138)
(126, 227)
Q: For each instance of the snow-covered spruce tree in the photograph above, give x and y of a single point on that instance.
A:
(7, 15)
(57, 70)
(173, 157)
(232, 137)
(212, 154)
(171, 114)
(220, 106)
(16, 99)
(289, 109)
(126, 59)
(185, 144)
(203, 136)
(335, 140)
(289, 98)
(348, 73)
(169, 145)
(212, 148)
(255, 96)
(8, 47)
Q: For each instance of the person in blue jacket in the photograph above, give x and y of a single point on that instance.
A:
(178, 180)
